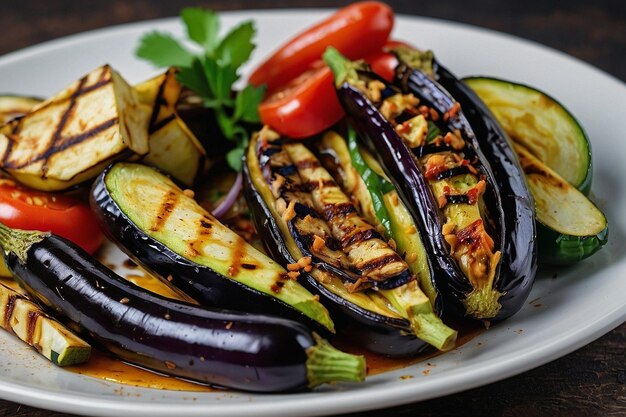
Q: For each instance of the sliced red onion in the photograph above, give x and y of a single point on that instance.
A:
(228, 201)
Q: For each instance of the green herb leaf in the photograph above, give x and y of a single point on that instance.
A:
(162, 50)
(433, 132)
(193, 78)
(246, 104)
(203, 27)
(237, 46)
(235, 158)
(212, 73)
(226, 124)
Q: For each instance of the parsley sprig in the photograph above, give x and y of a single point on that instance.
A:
(212, 72)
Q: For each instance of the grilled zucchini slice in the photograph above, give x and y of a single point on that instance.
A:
(53, 340)
(71, 137)
(569, 226)
(541, 124)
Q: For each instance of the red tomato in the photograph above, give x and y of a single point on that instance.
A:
(354, 30)
(22, 208)
(306, 106)
(384, 63)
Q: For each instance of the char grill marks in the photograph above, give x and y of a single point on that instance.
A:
(450, 165)
(59, 140)
(324, 222)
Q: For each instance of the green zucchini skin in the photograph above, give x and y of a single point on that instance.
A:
(559, 249)
(502, 95)
(200, 282)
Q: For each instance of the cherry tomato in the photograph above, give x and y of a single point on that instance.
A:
(354, 30)
(22, 208)
(306, 106)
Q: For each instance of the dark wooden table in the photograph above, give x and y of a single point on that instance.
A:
(590, 381)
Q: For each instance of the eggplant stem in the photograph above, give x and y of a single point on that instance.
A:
(343, 69)
(19, 241)
(416, 59)
(327, 364)
(482, 303)
(427, 326)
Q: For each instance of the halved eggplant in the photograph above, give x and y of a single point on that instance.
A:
(164, 230)
(569, 226)
(541, 124)
(71, 137)
(219, 347)
(431, 154)
(296, 230)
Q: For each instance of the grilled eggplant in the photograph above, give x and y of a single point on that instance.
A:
(306, 220)
(218, 347)
(73, 136)
(430, 153)
(173, 147)
(164, 230)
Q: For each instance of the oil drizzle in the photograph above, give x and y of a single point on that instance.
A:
(110, 369)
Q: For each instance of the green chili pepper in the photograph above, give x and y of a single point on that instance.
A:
(376, 185)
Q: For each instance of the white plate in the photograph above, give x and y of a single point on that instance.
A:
(579, 305)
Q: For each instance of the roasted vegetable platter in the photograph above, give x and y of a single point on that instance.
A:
(532, 336)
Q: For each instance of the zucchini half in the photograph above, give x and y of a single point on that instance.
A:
(170, 235)
(569, 226)
(541, 124)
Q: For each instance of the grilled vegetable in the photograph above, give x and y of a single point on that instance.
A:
(164, 230)
(541, 124)
(431, 154)
(375, 197)
(305, 237)
(15, 106)
(556, 157)
(569, 226)
(173, 147)
(236, 350)
(519, 256)
(74, 135)
(32, 325)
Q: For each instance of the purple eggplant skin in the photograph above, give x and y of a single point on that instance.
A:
(383, 335)
(399, 164)
(519, 253)
(200, 282)
(217, 347)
